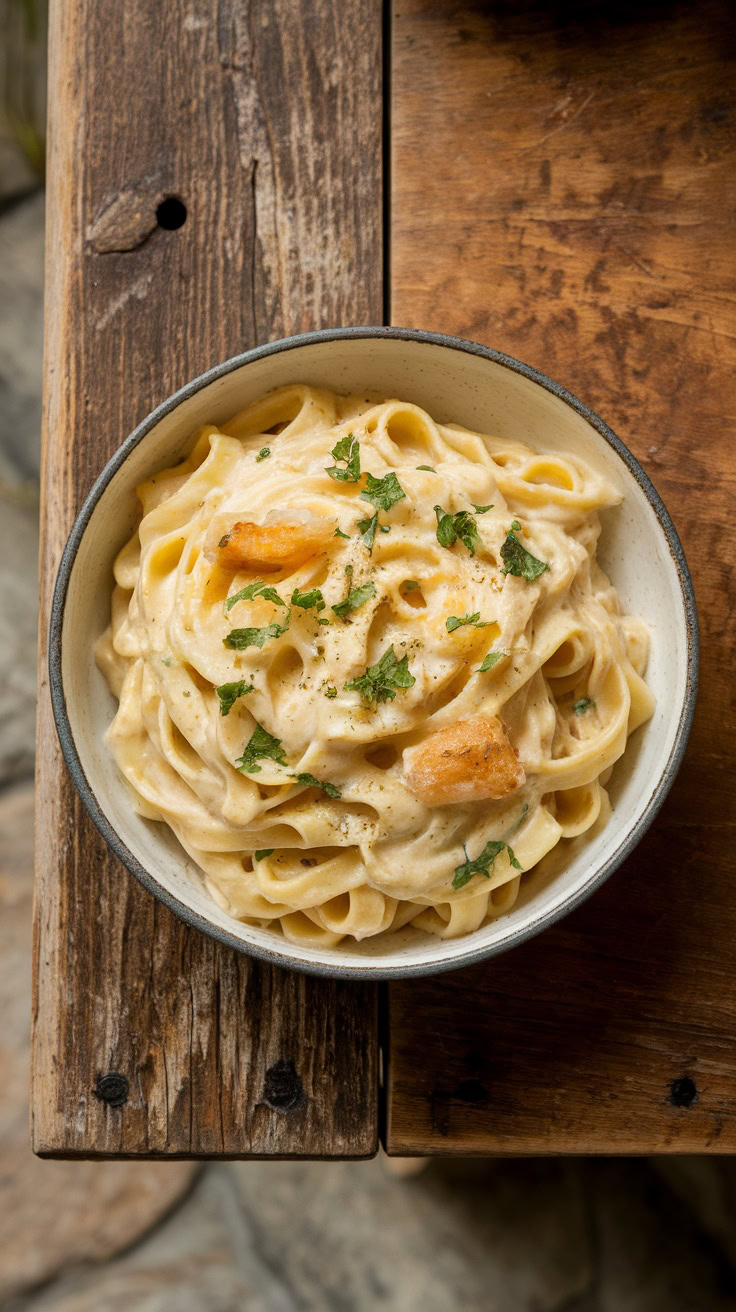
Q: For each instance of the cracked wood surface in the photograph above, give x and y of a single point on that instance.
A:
(560, 191)
(265, 120)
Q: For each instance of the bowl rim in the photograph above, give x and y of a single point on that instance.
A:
(369, 971)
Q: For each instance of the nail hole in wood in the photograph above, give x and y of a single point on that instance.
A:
(472, 1091)
(171, 213)
(683, 1092)
(283, 1091)
(112, 1088)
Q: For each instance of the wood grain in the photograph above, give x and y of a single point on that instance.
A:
(560, 184)
(265, 120)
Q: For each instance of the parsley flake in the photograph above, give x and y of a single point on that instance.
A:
(354, 599)
(240, 639)
(483, 864)
(306, 600)
(583, 704)
(380, 681)
(166, 660)
(460, 526)
(519, 561)
(263, 454)
(253, 590)
(490, 660)
(427, 469)
(446, 535)
(383, 492)
(331, 693)
(263, 851)
(455, 622)
(339, 534)
(368, 530)
(410, 584)
(230, 692)
(342, 450)
(481, 510)
(261, 746)
(516, 525)
(309, 781)
(347, 449)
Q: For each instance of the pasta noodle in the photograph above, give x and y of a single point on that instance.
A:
(369, 670)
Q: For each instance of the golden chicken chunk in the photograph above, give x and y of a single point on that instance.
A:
(280, 544)
(469, 760)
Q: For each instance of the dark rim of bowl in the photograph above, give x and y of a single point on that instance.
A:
(370, 970)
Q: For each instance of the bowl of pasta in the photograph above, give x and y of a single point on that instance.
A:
(373, 652)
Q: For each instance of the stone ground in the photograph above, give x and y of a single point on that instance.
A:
(513, 1236)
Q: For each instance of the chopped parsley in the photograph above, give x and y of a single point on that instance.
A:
(454, 622)
(339, 534)
(383, 492)
(490, 660)
(380, 681)
(166, 660)
(427, 468)
(516, 525)
(253, 590)
(331, 692)
(343, 449)
(583, 704)
(306, 600)
(446, 535)
(230, 692)
(309, 781)
(261, 746)
(481, 510)
(409, 585)
(368, 530)
(263, 454)
(354, 599)
(263, 851)
(519, 561)
(483, 864)
(348, 450)
(461, 526)
(239, 639)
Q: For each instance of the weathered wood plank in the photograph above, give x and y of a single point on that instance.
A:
(559, 192)
(265, 120)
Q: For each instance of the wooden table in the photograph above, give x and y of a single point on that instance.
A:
(563, 192)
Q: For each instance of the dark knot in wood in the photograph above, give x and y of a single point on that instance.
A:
(126, 218)
(683, 1092)
(283, 1090)
(112, 1088)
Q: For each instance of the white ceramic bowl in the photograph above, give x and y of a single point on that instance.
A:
(456, 381)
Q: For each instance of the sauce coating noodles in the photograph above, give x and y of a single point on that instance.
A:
(368, 668)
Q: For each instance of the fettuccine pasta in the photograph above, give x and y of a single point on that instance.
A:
(368, 668)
